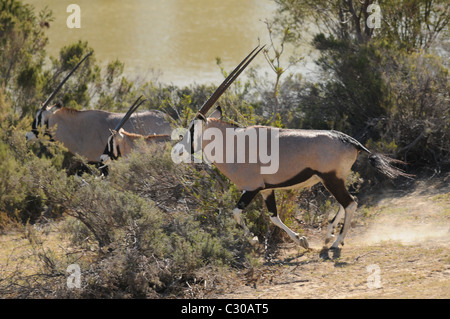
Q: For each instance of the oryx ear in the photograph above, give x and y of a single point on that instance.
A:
(54, 108)
(121, 132)
(217, 114)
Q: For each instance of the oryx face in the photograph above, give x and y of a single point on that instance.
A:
(112, 149)
(41, 119)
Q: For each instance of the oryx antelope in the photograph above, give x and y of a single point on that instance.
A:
(121, 142)
(86, 132)
(305, 157)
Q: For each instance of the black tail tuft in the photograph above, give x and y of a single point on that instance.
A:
(383, 164)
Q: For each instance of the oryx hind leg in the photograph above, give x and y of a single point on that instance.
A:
(269, 199)
(349, 211)
(337, 188)
(334, 222)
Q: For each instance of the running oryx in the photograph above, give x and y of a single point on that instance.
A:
(303, 158)
(121, 142)
(86, 132)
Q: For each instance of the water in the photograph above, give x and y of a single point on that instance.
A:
(174, 41)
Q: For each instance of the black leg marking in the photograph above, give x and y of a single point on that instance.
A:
(246, 199)
(271, 204)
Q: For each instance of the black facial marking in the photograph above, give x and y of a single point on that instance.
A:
(38, 122)
(35, 124)
(109, 149)
(191, 138)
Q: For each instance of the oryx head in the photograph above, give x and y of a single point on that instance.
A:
(45, 112)
(187, 146)
(41, 120)
(112, 148)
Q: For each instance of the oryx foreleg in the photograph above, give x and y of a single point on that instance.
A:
(244, 201)
(269, 198)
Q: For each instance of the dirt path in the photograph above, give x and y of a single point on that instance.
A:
(399, 248)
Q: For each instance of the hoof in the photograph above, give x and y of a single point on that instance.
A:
(336, 245)
(254, 241)
(302, 241)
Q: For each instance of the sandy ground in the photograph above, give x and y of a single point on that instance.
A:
(398, 248)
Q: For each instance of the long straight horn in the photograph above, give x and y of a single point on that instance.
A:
(63, 81)
(227, 82)
(131, 110)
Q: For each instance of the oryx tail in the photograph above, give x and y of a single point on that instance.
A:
(380, 161)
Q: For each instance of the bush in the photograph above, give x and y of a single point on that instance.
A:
(142, 250)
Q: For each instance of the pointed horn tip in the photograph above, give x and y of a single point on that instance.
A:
(230, 79)
(130, 111)
(52, 95)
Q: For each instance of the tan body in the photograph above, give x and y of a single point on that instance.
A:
(308, 149)
(86, 132)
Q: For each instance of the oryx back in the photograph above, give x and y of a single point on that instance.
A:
(143, 123)
(86, 132)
